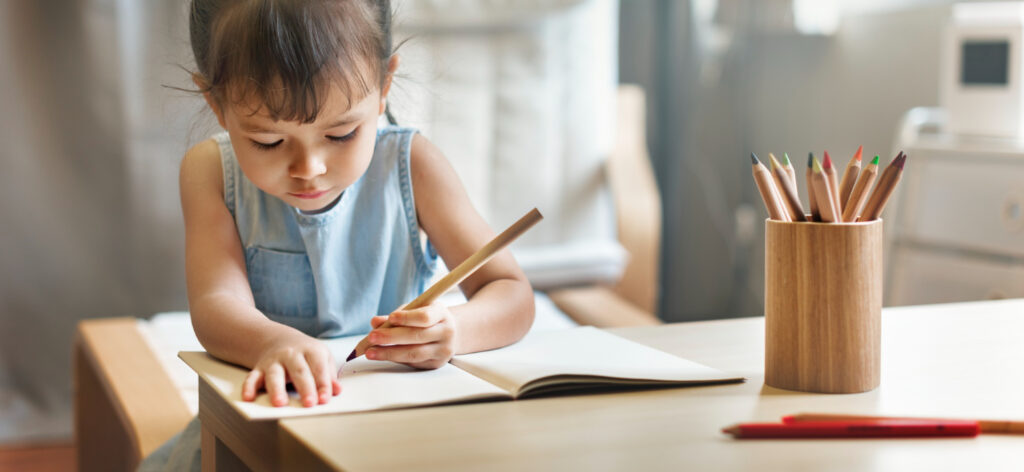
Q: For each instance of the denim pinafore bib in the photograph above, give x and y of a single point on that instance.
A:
(327, 274)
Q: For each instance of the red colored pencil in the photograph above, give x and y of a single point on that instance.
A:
(855, 429)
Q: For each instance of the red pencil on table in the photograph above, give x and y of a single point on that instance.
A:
(855, 429)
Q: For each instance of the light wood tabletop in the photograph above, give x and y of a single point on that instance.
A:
(961, 360)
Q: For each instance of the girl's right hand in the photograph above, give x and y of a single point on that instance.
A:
(298, 358)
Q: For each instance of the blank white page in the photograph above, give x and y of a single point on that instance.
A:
(583, 355)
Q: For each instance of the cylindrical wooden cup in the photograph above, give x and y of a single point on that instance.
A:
(822, 306)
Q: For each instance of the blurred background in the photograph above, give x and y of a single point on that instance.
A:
(89, 216)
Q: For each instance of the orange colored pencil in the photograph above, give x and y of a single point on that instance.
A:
(826, 200)
(859, 195)
(849, 179)
(833, 184)
(770, 195)
(886, 185)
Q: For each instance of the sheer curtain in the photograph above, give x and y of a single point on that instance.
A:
(88, 195)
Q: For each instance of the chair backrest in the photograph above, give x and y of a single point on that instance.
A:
(521, 96)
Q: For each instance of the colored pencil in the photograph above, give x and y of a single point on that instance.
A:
(833, 185)
(855, 429)
(463, 270)
(779, 177)
(811, 198)
(859, 195)
(987, 426)
(789, 194)
(823, 192)
(789, 169)
(770, 194)
(886, 185)
(850, 179)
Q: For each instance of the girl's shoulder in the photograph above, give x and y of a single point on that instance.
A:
(201, 169)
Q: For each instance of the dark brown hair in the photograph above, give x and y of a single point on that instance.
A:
(287, 54)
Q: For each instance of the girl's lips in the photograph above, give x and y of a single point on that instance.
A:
(309, 195)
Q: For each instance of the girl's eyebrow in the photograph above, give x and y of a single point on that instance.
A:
(344, 120)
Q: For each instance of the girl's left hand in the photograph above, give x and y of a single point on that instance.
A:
(423, 338)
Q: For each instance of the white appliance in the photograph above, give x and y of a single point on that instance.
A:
(981, 83)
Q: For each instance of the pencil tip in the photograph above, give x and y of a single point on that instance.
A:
(732, 430)
(785, 159)
(351, 356)
(753, 159)
(817, 167)
(860, 151)
(901, 162)
(827, 163)
(875, 160)
(810, 159)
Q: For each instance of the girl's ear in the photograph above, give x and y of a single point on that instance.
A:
(198, 80)
(392, 67)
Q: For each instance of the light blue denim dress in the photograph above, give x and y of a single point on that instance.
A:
(327, 273)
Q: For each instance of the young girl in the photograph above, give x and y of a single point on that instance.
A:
(303, 220)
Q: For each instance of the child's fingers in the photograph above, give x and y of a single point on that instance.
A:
(275, 383)
(252, 384)
(377, 321)
(322, 368)
(419, 317)
(406, 335)
(336, 385)
(429, 356)
(302, 378)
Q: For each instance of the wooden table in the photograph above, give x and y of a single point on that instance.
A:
(955, 360)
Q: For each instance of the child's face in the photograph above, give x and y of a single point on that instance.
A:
(307, 165)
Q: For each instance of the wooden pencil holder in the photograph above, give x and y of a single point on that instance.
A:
(823, 304)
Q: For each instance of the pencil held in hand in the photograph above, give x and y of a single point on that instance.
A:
(886, 185)
(859, 195)
(849, 180)
(770, 195)
(463, 270)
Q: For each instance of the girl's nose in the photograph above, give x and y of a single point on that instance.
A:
(307, 166)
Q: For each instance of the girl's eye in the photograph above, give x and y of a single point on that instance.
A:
(342, 139)
(265, 146)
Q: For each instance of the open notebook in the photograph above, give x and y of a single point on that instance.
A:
(544, 361)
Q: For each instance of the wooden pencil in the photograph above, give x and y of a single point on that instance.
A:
(859, 195)
(987, 426)
(766, 185)
(789, 169)
(886, 185)
(850, 179)
(833, 184)
(826, 199)
(789, 194)
(811, 198)
(778, 178)
(460, 272)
